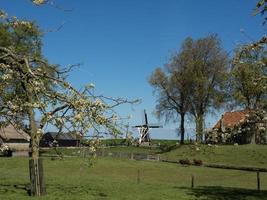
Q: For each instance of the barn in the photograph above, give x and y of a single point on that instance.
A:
(15, 139)
(67, 139)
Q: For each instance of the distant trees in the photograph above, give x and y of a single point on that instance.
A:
(194, 81)
(197, 78)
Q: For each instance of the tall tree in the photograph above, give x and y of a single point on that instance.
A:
(172, 86)
(208, 63)
(250, 68)
(24, 38)
(249, 86)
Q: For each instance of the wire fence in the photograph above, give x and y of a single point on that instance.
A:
(126, 155)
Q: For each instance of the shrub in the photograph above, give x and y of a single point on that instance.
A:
(198, 162)
(184, 162)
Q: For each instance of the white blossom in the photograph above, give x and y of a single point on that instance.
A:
(4, 147)
(39, 2)
(6, 76)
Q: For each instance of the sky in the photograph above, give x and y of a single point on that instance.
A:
(119, 43)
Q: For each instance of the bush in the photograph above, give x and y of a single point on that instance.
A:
(185, 162)
(198, 162)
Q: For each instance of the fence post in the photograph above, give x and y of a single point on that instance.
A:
(132, 157)
(258, 181)
(192, 181)
(158, 157)
(82, 152)
(138, 176)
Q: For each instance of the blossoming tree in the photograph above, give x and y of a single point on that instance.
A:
(31, 89)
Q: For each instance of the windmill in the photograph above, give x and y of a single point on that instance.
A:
(143, 129)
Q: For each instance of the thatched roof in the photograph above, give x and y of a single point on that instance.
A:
(10, 133)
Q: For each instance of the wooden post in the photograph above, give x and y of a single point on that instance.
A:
(132, 157)
(192, 181)
(138, 176)
(158, 157)
(258, 181)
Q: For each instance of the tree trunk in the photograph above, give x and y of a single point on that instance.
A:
(199, 127)
(253, 138)
(35, 164)
(37, 177)
(182, 130)
(253, 134)
(35, 138)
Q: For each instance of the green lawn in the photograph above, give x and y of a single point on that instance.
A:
(112, 178)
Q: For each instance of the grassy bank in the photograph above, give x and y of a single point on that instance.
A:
(241, 155)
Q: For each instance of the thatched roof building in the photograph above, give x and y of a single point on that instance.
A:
(14, 138)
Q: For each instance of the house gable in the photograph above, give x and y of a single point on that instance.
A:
(62, 139)
(231, 119)
(242, 127)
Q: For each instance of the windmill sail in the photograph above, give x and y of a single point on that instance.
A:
(143, 129)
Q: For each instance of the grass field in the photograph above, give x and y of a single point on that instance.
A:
(114, 178)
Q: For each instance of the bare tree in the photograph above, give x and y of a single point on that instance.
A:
(172, 87)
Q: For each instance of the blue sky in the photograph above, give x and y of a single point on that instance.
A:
(121, 42)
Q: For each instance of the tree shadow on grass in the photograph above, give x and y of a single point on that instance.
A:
(225, 193)
(76, 190)
(24, 189)
(14, 188)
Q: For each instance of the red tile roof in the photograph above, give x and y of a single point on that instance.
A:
(231, 119)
